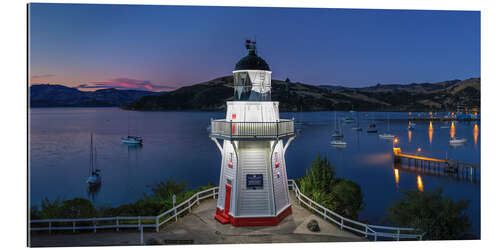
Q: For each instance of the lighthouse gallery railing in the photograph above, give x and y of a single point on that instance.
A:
(251, 130)
(184, 207)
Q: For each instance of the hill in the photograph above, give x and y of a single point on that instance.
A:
(295, 96)
(49, 95)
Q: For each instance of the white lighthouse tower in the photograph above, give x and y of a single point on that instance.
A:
(253, 186)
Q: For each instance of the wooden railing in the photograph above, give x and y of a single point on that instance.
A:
(230, 130)
(354, 226)
(184, 207)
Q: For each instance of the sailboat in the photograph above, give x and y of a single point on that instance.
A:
(95, 173)
(387, 135)
(357, 127)
(337, 133)
(130, 139)
(338, 143)
(372, 128)
(457, 141)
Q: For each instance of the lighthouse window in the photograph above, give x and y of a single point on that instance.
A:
(242, 86)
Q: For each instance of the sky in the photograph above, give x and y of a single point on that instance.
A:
(160, 48)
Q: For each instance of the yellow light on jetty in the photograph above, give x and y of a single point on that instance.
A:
(419, 149)
(420, 184)
(396, 140)
(396, 175)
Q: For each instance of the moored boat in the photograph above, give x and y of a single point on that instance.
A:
(338, 143)
(457, 141)
(132, 139)
(95, 173)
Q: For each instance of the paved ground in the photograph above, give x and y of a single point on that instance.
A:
(200, 227)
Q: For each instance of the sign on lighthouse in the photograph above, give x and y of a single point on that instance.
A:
(253, 186)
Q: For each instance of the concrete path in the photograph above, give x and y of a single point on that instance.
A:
(200, 227)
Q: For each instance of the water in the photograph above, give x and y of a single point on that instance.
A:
(177, 146)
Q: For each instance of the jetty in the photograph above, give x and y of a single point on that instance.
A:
(443, 119)
(440, 165)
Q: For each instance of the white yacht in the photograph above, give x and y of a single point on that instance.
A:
(457, 141)
(95, 173)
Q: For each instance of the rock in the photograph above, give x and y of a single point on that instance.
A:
(313, 226)
(155, 241)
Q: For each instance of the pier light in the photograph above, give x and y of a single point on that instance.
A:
(253, 186)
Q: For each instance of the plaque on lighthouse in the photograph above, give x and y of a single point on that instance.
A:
(252, 139)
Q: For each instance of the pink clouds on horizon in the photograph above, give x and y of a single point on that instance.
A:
(125, 83)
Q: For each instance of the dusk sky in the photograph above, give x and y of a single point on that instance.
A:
(165, 47)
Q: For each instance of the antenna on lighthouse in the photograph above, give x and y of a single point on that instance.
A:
(250, 45)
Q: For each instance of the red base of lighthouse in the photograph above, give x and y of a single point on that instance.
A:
(256, 221)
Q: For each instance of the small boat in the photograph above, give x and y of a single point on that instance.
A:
(338, 143)
(445, 126)
(95, 173)
(348, 120)
(387, 135)
(95, 178)
(457, 141)
(357, 127)
(372, 128)
(132, 139)
(337, 133)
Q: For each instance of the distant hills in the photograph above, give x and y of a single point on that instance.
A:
(49, 95)
(294, 96)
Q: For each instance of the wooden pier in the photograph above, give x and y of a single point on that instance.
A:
(444, 165)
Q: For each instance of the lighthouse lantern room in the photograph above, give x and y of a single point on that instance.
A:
(253, 186)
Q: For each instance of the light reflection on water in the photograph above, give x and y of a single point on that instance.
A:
(176, 145)
(420, 184)
(431, 132)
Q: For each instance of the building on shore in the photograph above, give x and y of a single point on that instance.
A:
(253, 187)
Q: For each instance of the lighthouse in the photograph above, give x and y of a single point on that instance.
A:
(252, 139)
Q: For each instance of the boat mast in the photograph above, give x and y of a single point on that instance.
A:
(128, 123)
(91, 154)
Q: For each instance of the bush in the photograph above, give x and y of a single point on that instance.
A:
(340, 195)
(78, 208)
(438, 216)
(348, 199)
(150, 205)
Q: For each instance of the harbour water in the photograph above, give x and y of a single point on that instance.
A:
(177, 146)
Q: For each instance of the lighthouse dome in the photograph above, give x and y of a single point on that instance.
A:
(252, 62)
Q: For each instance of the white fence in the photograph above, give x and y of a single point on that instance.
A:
(118, 222)
(156, 222)
(352, 225)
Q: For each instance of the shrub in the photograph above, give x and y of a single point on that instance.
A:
(438, 216)
(340, 195)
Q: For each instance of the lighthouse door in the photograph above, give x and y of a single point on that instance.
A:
(228, 200)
